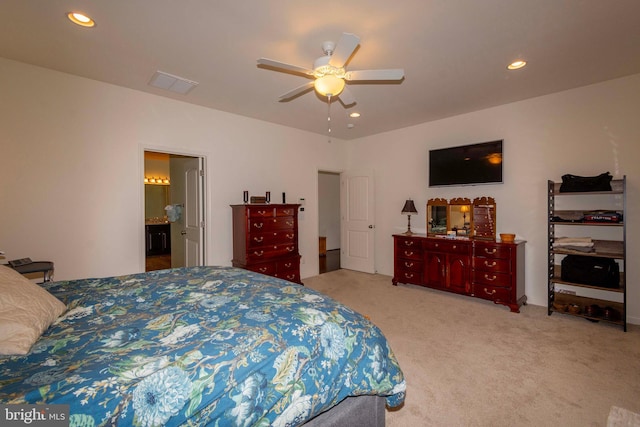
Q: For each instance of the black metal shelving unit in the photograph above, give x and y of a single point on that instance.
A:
(606, 307)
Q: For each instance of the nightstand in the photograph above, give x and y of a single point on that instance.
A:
(44, 267)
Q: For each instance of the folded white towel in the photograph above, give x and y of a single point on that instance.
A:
(573, 240)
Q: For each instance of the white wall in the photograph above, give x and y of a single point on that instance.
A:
(584, 131)
(71, 170)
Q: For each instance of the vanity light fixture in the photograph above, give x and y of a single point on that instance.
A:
(157, 181)
(81, 19)
(516, 65)
(354, 115)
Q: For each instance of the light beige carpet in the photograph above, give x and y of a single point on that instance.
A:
(469, 362)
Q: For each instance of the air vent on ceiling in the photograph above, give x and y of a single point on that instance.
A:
(173, 83)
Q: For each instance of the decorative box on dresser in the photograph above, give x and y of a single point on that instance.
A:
(491, 270)
(265, 239)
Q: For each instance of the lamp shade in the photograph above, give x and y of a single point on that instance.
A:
(329, 85)
(409, 208)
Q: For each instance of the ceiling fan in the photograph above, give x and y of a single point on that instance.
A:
(329, 74)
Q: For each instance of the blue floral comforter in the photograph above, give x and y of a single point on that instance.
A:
(200, 346)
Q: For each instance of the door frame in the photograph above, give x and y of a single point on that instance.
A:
(206, 208)
(339, 173)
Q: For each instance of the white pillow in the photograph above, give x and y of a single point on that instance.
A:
(26, 311)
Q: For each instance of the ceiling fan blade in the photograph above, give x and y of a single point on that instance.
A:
(344, 49)
(297, 91)
(284, 66)
(346, 97)
(391, 74)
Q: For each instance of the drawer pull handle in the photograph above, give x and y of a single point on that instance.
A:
(262, 212)
(288, 212)
(492, 278)
(288, 265)
(290, 236)
(493, 264)
(290, 248)
(408, 253)
(289, 223)
(490, 252)
(263, 269)
(408, 264)
(258, 224)
(291, 276)
(258, 253)
(408, 242)
(493, 291)
(258, 239)
(454, 246)
(408, 275)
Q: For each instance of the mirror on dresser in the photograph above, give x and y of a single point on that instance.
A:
(484, 218)
(437, 216)
(460, 216)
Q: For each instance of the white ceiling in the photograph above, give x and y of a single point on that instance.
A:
(454, 52)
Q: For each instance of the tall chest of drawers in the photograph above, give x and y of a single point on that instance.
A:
(265, 239)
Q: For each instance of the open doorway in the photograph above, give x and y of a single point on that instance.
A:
(328, 221)
(174, 210)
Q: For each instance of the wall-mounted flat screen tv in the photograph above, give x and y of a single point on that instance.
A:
(466, 165)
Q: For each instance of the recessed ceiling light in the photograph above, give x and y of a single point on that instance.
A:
(515, 65)
(81, 19)
(354, 115)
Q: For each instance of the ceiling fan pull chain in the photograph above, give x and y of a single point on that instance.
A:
(329, 114)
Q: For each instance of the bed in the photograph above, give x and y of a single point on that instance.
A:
(203, 346)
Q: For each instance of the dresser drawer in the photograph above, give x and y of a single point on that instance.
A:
(265, 268)
(269, 224)
(408, 243)
(502, 280)
(448, 246)
(288, 264)
(273, 251)
(491, 250)
(492, 265)
(413, 277)
(260, 239)
(492, 293)
(286, 211)
(291, 275)
(415, 254)
(260, 212)
(410, 265)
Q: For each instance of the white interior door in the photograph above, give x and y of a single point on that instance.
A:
(187, 233)
(358, 226)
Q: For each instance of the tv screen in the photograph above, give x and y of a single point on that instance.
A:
(466, 165)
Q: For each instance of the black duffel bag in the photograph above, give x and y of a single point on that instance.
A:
(591, 270)
(578, 184)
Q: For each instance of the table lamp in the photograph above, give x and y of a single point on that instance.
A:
(409, 209)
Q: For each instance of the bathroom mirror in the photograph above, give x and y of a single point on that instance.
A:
(156, 197)
(437, 210)
(484, 218)
(460, 216)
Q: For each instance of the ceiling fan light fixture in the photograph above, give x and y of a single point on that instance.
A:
(329, 85)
